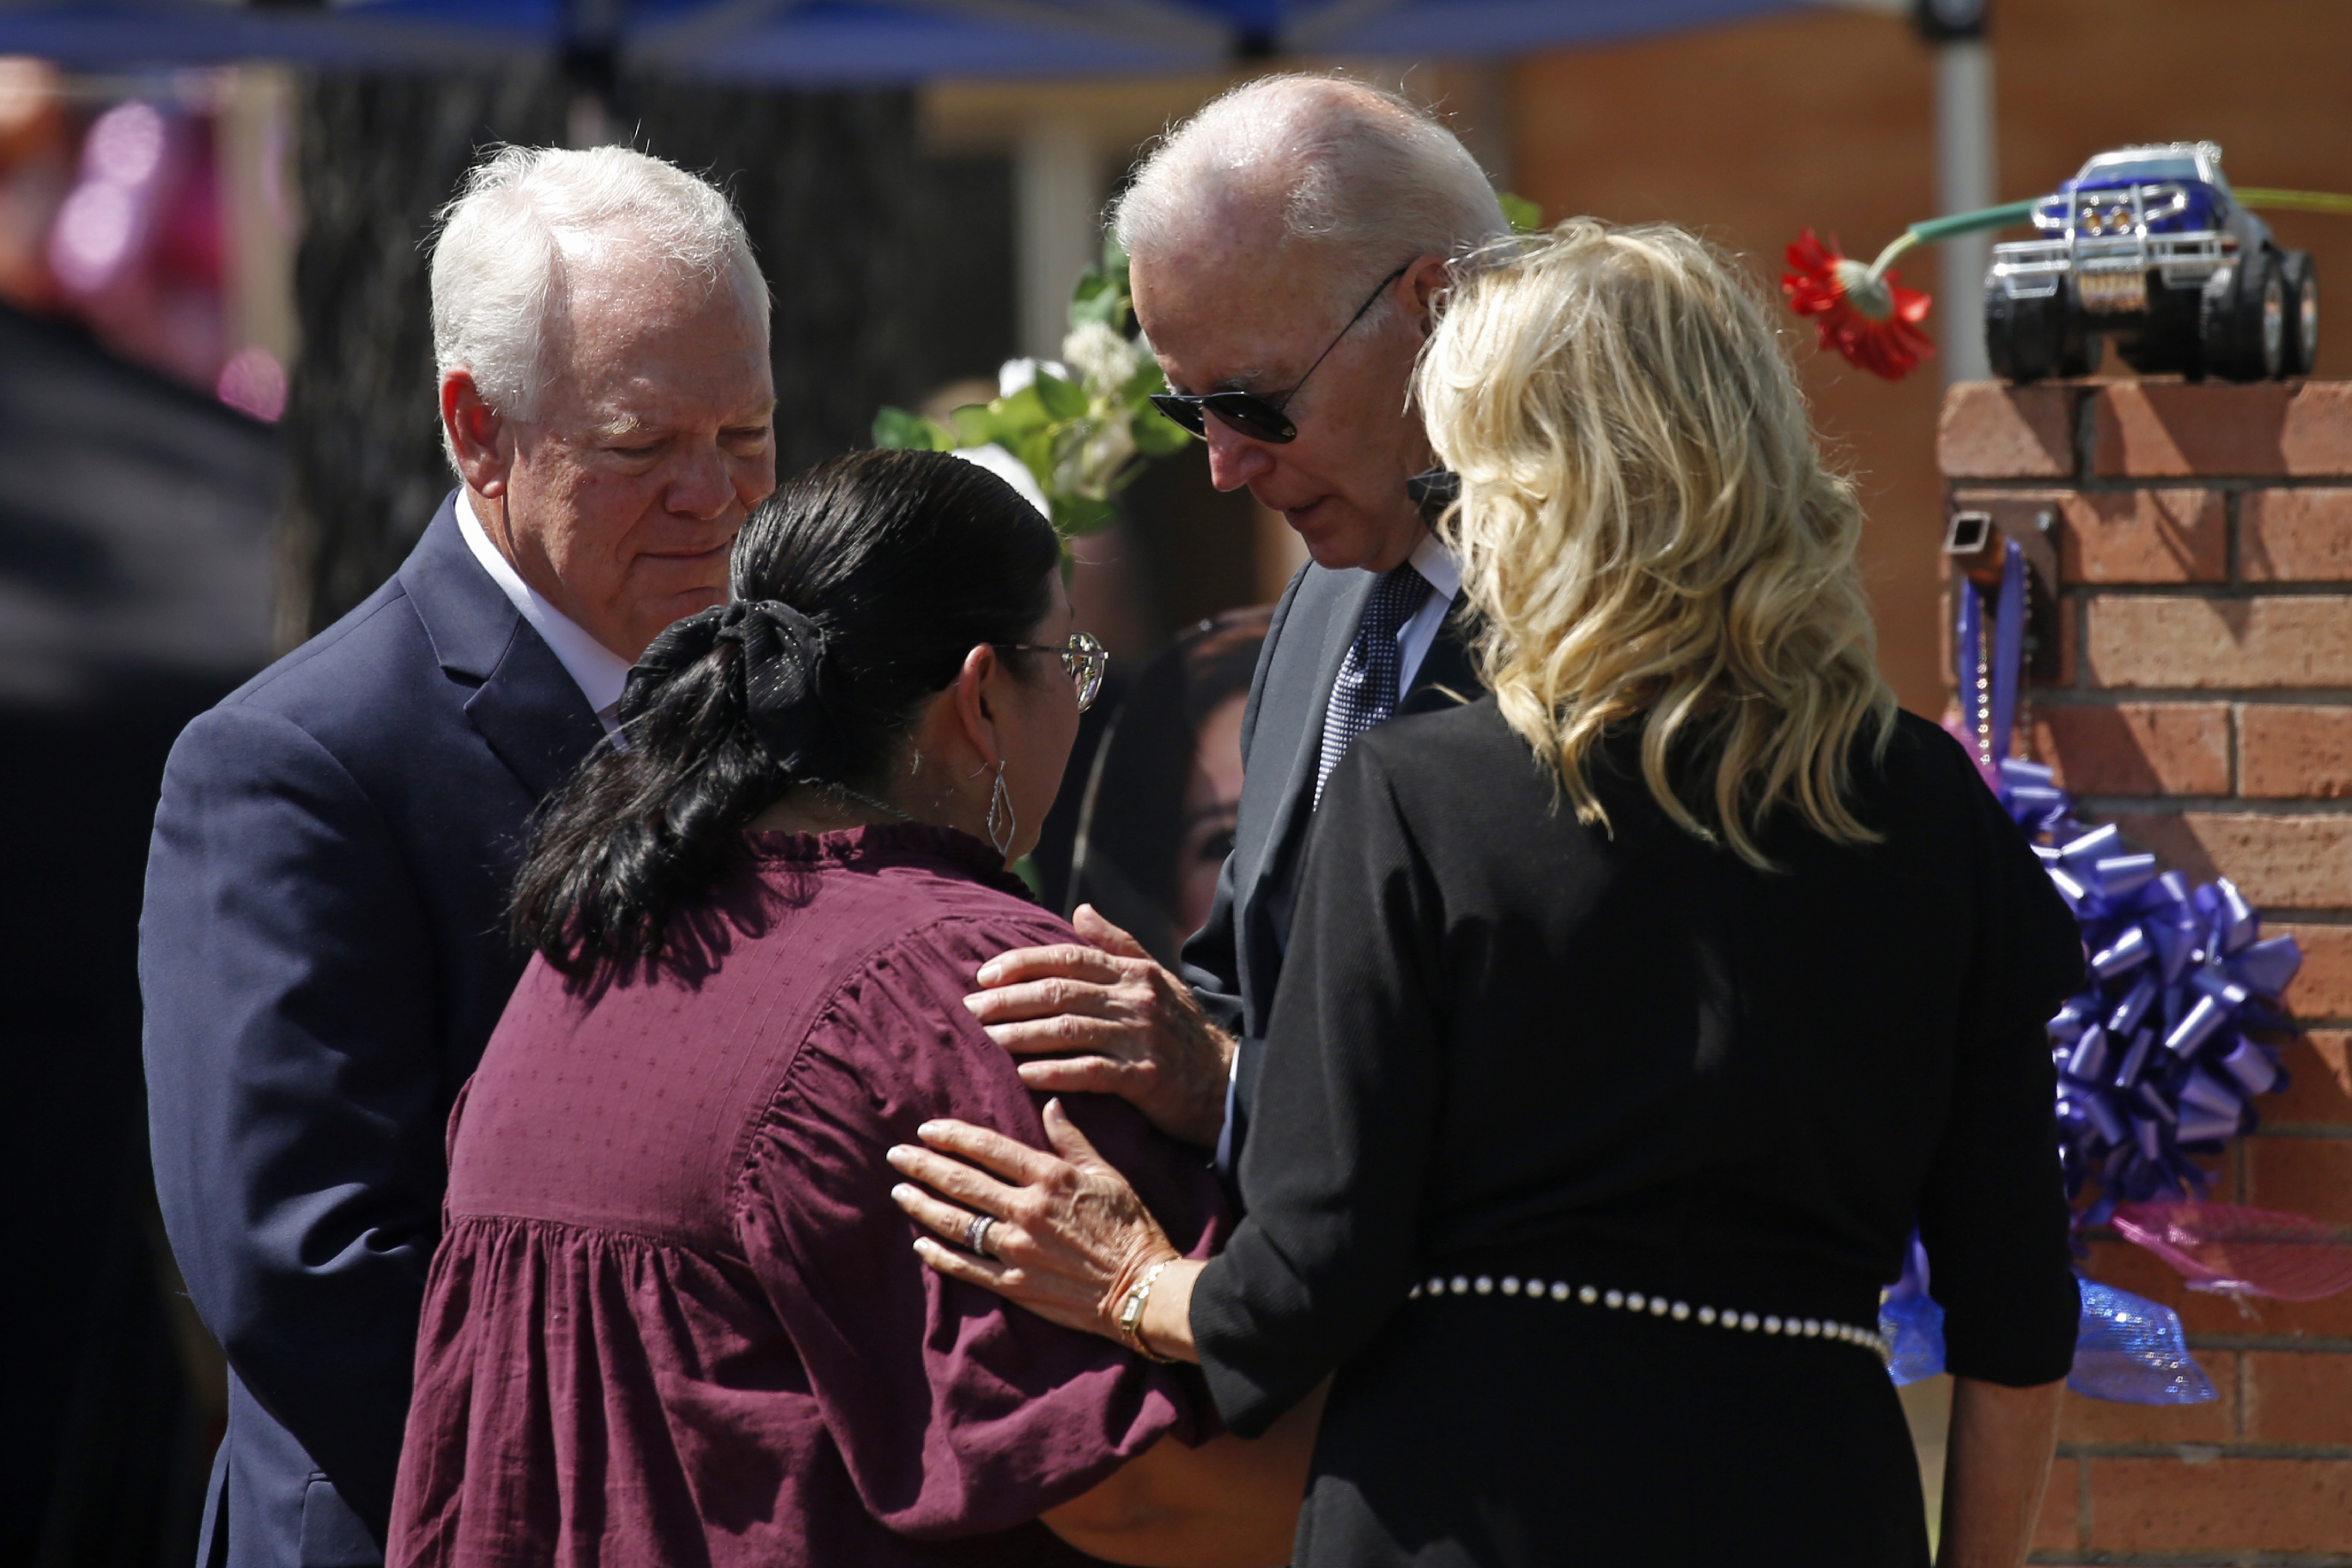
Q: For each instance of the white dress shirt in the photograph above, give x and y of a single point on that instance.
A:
(1416, 636)
(597, 670)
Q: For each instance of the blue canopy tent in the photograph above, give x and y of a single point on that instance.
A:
(813, 42)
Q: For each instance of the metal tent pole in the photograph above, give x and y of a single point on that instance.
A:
(1965, 175)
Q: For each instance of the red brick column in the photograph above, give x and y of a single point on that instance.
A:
(2192, 554)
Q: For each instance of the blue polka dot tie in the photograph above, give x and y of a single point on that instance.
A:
(1365, 691)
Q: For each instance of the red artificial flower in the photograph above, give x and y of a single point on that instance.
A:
(1871, 321)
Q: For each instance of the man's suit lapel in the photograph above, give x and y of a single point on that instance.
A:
(526, 706)
(1342, 596)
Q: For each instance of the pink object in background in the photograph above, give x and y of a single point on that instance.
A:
(103, 227)
(135, 249)
(2233, 1250)
(254, 383)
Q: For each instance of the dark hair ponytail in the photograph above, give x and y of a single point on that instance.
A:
(859, 589)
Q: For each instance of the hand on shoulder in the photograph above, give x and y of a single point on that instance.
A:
(1108, 1018)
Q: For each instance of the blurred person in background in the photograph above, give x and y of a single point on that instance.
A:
(322, 950)
(36, 172)
(1568, 1163)
(1286, 246)
(1160, 811)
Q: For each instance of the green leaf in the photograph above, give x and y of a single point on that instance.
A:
(1157, 436)
(1061, 399)
(1074, 515)
(1020, 416)
(1036, 451)
(896, 428)
(1098, 296)
(1524, 215)
(976, 424)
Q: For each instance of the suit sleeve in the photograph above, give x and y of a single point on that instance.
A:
(1346, 1097)
(1211, 965)
(293, 1086)
(1211, 962)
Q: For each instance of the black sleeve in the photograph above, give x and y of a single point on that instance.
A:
(1993, 1214)
(1345, 1116)
(1211, 965)
(294, 1094)
(1211, 961)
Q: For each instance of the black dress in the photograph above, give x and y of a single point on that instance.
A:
(1510, 1047)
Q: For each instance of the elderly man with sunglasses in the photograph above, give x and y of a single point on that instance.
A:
(1254, 232)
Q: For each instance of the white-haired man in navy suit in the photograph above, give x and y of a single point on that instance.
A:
(322, 954)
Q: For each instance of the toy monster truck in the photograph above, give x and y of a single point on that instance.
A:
(2149, 246)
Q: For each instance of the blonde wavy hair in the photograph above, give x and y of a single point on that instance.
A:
(1648, 528)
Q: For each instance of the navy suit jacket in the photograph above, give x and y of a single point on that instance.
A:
(322, 956)
(1233, 962)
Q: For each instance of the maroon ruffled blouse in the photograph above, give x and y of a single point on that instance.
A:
(675, 1317)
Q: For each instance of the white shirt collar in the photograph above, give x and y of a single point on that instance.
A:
(597, 670)
(1438, 568)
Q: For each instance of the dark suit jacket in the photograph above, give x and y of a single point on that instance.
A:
(322, 957)
(1234, 961)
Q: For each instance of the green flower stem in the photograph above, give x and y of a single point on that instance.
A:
(1930, 230)
(1934, 228)
(2296, 201)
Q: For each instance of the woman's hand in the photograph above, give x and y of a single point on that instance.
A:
(1071, 1238)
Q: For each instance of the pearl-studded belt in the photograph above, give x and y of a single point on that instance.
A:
(1658, 1307)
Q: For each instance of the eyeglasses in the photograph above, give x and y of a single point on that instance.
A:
(1083, 659)
(1259, 418)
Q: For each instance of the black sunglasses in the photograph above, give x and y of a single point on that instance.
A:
(1259, 418)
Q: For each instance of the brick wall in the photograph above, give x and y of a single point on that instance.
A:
(2192, 681)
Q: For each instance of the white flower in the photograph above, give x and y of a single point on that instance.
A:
(1107, 449)
(1101, 356)
(1020, 374)
(1090, 464)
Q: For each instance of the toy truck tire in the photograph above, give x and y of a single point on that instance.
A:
(2299, 289)
(2021, 335)
(2242, 325)
(2029, 339)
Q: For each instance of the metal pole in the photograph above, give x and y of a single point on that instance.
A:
(1955, 29)
(1964, 182)
(1057, 203)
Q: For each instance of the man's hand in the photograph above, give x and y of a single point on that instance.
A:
(1120, 1023)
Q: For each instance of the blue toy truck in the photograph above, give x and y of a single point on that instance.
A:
(2147, 246)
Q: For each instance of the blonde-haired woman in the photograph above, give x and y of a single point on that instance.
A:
(1631, 1015)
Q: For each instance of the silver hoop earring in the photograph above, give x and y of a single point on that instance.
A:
(1001, 799)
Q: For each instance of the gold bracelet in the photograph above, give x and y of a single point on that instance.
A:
(1130, 1313)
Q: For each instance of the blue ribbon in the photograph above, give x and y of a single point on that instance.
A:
(2126, 1348)
(2131, 1350)
(1911, 1322)
(2155, 1055)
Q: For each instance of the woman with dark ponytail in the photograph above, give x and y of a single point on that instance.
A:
(675, 1317)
